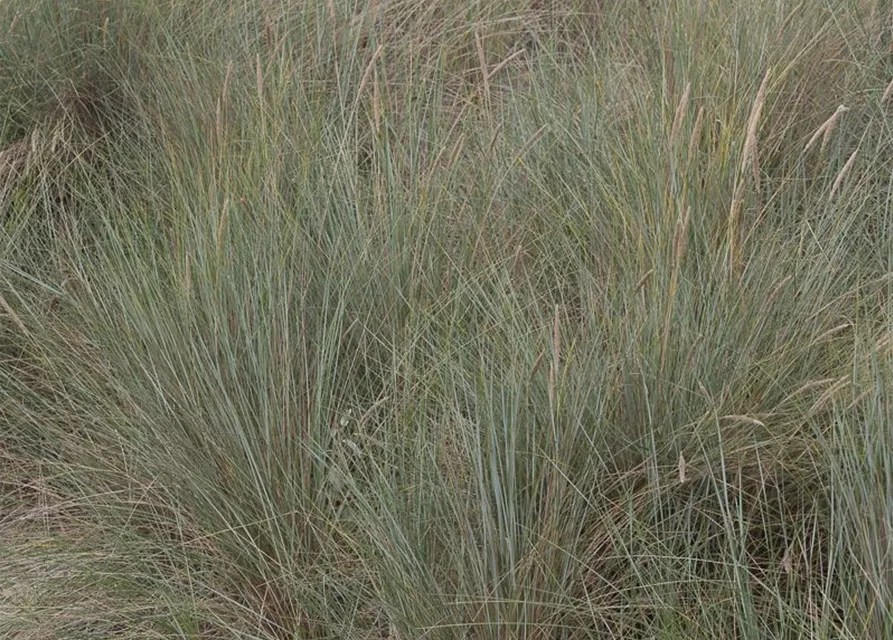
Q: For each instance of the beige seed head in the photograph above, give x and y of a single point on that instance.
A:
(695, 134)
(750, 141)
(681, 108)
(744, 419)
(887, 92)
(843, 173)
(826, 128)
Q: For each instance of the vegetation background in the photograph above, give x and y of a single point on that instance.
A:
(446, 319)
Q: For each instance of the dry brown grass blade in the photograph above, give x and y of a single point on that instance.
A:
(787, 561)
(809, 386)
(830, 333)
(224, 98)
(187, 277)
(733, 232)
(680, 239)
(17, 321)
(452, 155)
(12, 160)
(482, 61)
(884, 344)
(368, 72)
(502, 65)
(556, 357)
(843, 173)
(644, 279)
(695, 134)
(376, 103)
(537, 363)
(745, 419)
(221, 228)
(829, 393)
(887, 92)
(485, 74)
(259, 78)
(681, 110)
(669, 68)
(751, 151)
(859, 398)
(749, 157)
(825, 130)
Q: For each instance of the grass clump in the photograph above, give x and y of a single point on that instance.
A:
(445, 320)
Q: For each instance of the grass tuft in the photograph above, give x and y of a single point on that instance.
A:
(449, 319)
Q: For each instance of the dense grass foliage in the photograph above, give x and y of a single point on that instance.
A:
(446, 319)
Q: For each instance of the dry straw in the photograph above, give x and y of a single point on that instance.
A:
(222, 101)
(680, 238)
(830, 333)
(680, 241)
(744, 419)
(887, 92)
(643, 280)
(12, 161)
(681, 108)
(368, 72)
(825, 130)
(221, 228)
(556, 358)
(16, 320)
(695, 134)
(749, 157)
(843, 173)
(259, 78)
(809, 386)
(482, 61)
(750, 142)
(884, 344)
(828, 395)
(376, 102)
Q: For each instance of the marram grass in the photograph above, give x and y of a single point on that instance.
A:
(448, 319)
